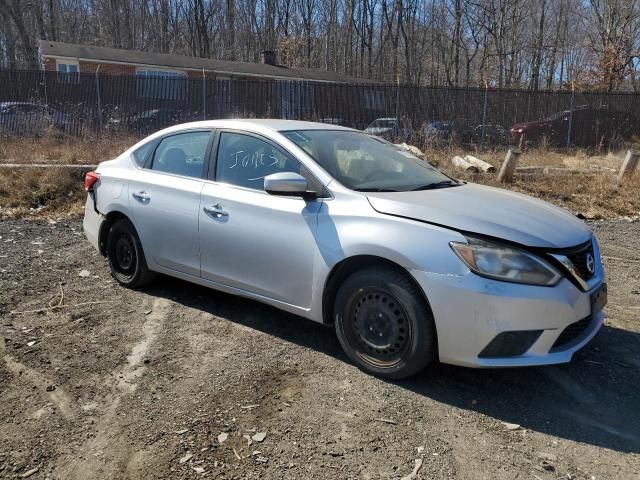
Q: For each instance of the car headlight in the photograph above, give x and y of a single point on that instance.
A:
(505, 263)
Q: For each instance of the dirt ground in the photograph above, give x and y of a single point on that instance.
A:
(148, 384)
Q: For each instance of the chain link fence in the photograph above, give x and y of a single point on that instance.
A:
(33, 102)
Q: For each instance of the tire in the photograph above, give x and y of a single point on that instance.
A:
(384, 323)
(126, 257)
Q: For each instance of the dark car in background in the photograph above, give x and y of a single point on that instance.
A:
(147, 121)
(460, 131)
(590, 126)
(438, 131)
(25, 118)
(491, 135)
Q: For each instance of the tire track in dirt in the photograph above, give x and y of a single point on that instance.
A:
(103, 454)
(58, 397)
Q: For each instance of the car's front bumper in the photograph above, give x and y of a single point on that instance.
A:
(470, 311)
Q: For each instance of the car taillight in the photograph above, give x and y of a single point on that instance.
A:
(89, 179)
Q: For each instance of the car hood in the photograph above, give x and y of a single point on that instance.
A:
(487, 211)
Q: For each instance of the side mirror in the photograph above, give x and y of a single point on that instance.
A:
(286, 184)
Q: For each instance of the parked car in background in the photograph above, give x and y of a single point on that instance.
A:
(343, 228)
(24, 118)
(148, 121)
(590, 126)
(463, 131)
(449, 131)
(334, 121)
(491, 134)
(438, 131)
(390, 128)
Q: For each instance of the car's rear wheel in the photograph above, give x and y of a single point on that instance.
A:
(384, 323)
(126, 257)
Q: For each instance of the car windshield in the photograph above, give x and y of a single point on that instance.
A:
(367, 163)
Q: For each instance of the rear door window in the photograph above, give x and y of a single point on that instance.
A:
(182, 154)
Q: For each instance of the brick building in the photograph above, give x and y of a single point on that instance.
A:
(136, 81)
(69, 59)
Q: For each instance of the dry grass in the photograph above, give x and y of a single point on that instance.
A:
(40, 191)
(58, 192)
(593, 195)
(57, 148)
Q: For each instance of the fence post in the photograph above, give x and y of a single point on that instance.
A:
(484, 109)
(204, 100)
(398, 97)
(570, 117)
(628, 166)
(46, 93)
(98, 100)
(509, 166)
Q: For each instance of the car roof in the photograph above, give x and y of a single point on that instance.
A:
(256, 124)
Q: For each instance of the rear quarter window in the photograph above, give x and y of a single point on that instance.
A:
(140, 154)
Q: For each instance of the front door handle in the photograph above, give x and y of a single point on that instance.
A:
(216, 210)
(142, 195)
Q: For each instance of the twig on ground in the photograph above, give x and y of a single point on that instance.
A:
(60, 302)
(236, 453)
(628, 260)
(55, 307)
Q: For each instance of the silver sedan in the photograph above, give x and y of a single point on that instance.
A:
(343, 228)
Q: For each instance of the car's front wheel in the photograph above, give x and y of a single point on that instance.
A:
(384, 323)
(126, 257)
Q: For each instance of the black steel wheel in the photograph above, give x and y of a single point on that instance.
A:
(379, 326)
(384, 323)
(126, 257)
(125, 254)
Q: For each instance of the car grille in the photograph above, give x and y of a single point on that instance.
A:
(579, 260)
(571, 333)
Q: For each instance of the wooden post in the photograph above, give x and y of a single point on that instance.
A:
(509, 166)
(628, 166)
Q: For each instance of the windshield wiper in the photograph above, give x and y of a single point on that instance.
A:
(375, 190)
(435, 185)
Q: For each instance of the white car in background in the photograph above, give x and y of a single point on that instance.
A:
(341, 227)
(390, 128)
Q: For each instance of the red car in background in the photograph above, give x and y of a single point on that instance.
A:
(590, 126)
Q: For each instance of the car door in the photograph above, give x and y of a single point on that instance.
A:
(165, 199)
(252, 240)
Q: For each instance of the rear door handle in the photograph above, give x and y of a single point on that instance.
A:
(215, 210)
(142, 195)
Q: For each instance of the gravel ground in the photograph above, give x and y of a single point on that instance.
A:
(177, 381)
